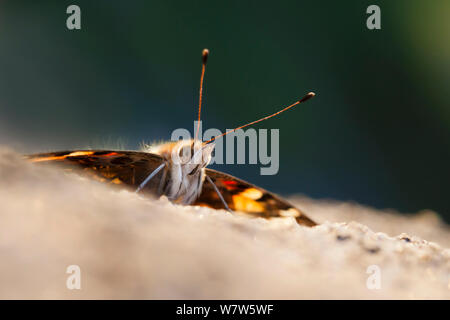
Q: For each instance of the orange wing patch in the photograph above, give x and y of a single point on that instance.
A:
(72, 154)
(116, 181)
(246, 204)
(252, 193)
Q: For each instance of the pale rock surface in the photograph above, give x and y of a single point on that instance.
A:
(134, 248)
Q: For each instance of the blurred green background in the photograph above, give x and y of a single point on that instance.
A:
(377, 133)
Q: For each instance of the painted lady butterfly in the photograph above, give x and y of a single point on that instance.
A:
(182, 182)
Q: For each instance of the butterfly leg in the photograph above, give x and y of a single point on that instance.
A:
(162, 183)
(219, 194)
(151, 175)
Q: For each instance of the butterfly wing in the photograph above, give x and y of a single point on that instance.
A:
(125, 168)
(242, 196)
(129, 168)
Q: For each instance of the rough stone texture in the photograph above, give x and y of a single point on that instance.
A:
(131, 247)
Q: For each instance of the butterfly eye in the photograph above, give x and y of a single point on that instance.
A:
(185, 154)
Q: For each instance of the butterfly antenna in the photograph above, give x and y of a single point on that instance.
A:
(205, 54)
(305, 98)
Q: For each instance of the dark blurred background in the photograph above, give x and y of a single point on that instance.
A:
(377, 133)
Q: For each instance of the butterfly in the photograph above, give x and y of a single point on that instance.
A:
(178, 171)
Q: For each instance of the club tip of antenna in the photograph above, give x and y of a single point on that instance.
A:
(205, 54)
(308, 96)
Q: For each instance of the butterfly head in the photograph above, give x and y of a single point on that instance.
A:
(192, 155)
